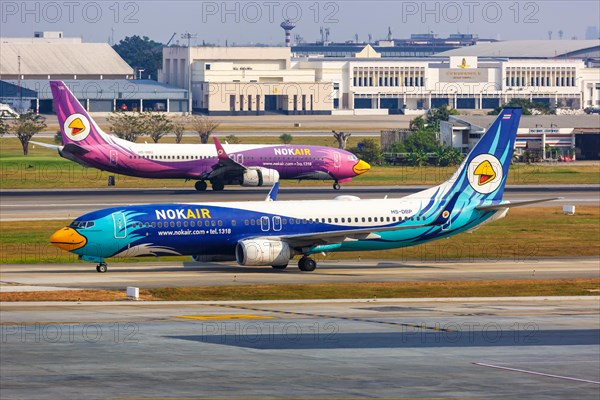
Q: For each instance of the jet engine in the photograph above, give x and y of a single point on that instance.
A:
(257, 252)
(260, 177)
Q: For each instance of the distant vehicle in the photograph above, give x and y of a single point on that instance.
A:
(592, 110)
(247, 165)
(271, 233)
(6, 112)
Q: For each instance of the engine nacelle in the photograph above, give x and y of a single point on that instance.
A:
(263, 252)
(260, 177)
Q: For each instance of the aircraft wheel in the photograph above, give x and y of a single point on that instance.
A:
(217, 186)
(200, 186)
(102, 267)
(279, 267)
(307, 264)
(336, 186)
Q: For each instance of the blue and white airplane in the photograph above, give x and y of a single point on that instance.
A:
(271, 233)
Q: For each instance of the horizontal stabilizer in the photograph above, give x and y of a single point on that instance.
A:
(508, 204)
(48, 145)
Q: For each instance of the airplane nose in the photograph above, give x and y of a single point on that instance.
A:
(68, 239)
(361, 167)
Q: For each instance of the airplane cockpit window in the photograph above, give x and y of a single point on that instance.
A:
(352, 157)
(82, 224)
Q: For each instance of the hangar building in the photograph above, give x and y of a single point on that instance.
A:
(96, 74)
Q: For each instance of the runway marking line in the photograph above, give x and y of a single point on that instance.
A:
(373, 321)
(537, 373)
(217, 317)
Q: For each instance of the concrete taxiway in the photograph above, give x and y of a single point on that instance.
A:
(66, 204)
(20, 277)
(538, 348)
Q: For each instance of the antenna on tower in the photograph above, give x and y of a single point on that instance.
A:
(549, 35)
(389, 35)
(370, 38)
(560, 34)
(327, 34)
(189, 36)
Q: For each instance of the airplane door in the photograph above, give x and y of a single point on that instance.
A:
(336, 160)
(120, 225)
(113, 158)
(265, 224)
(277, 224)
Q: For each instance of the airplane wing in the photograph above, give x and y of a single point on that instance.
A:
(225, 164)
(509, 204)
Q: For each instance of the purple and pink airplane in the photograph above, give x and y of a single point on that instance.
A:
(229, 164)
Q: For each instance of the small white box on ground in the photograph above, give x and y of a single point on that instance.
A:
(133, 292)
(569, 210)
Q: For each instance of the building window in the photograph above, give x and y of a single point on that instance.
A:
(232, 102)
(241, 102)
(207, 66)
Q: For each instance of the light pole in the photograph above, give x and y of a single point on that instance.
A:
(140, 73)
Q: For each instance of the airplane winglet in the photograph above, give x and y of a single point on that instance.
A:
(272, 196)
(221, 154)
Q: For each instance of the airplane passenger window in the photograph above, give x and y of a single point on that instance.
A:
(172, 224)
(160, 224)
(220, 223)
(233, 223)
(363, 219)
(329, 220)
(206, 223)
(370, 219)
(185, 224)
(193, 224)
(147, 225)
(252, 222)
(213, 223)
(154, 224)
(335, 220)
(246, 222)
(343, 219)
(179, 224)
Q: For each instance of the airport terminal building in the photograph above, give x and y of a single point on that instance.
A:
(254, 80)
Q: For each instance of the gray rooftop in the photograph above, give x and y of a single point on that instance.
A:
(528, 49)
(60, 59)
(108, 89)
(577, 122)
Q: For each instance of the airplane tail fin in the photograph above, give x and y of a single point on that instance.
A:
(76, 125)
(482, 175)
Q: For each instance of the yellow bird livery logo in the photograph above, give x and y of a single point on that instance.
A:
(76, 127)
(486, 173)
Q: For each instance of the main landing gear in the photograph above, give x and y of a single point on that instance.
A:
(200, 186)
(102, 267)
(336, 186)
(307, 264)
(217, 186)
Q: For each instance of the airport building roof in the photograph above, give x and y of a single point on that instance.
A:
(579, 123)
(529, 49)
(42, 58)
(106, 89)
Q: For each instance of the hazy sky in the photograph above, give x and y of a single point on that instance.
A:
(246, 22)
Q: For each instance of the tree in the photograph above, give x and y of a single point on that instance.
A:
(157, 125)
(435, 115)
(141, 53)
(127, 126)
(417, 124)
(25, 127)
(425, 140)
(342, 139)
(527, 106)
(418, 158)
(286, 138)
(4, 127)
(232, 139)
(369, 151)
(204, 126)
(178, 130)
